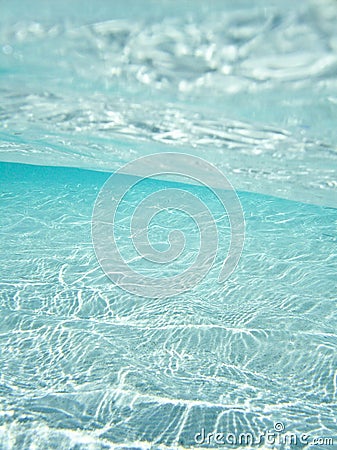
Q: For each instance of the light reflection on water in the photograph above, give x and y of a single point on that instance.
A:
(251, 87)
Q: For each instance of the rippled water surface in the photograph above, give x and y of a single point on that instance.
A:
(252, 88)
(252, 85)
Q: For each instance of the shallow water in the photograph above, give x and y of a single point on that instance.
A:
(252, 89)
(79, 353)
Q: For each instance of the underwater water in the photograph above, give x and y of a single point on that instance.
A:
(83, 360)
(86, 88)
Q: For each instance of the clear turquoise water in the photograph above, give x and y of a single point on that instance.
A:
(85, 365)
(84, 362)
